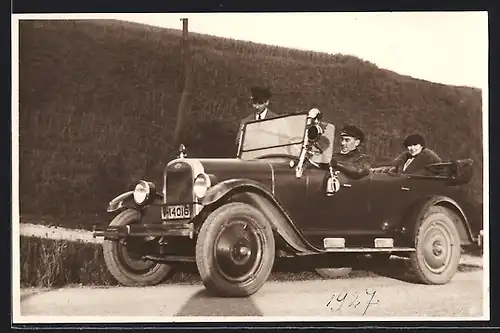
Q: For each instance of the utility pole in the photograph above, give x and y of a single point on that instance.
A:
(188, 81)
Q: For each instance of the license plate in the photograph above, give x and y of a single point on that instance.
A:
(178, 212)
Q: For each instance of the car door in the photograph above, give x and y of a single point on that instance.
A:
(392, 196)
(291, 193)
(338, 215)
(389, 197)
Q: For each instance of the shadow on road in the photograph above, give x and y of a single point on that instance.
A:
(396, 268)
(204, 304)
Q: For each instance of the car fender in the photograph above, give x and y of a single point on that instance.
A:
(259, 196)
(220, 190)
(419, 208)
(122, 201)
(126, 200)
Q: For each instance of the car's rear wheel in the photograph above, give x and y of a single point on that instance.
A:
(333, 273)
(437, 244)
(235, 250)
(127, 266)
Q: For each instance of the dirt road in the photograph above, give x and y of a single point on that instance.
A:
(386, 294)
(366, 296)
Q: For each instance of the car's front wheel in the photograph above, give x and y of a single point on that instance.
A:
(126, 265)
(437, 244)
(235, 250)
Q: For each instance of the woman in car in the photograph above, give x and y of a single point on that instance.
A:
(416, 157)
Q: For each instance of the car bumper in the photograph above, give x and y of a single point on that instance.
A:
(145, 230)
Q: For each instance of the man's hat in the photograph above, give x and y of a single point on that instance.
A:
(260, 94)
(351, 130)
(414, 139)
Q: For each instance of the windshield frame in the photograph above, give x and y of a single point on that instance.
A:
(244, 131)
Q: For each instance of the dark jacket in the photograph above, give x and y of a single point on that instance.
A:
(251, 117)
(424, 158)
(354, 164)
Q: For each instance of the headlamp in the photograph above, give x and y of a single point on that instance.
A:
(201, 185)
(142, 192)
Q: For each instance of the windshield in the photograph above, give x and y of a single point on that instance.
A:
(281, 135)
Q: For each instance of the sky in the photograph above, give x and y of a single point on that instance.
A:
(443, 47)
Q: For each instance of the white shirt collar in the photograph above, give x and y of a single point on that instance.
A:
(407, 163)
(262, 114)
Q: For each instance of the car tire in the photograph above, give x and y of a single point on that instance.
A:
(129, 269)
(235, 250)
(438, 247)
(333, 273)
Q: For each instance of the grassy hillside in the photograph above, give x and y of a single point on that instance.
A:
(98, 104)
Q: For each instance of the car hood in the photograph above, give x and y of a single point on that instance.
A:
(221, 169)
(224, 169)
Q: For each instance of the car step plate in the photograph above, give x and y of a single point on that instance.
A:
(379, 245)
(334, 243)
(383, 242)
(370, 249)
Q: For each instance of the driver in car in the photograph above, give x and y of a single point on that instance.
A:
(350, 160)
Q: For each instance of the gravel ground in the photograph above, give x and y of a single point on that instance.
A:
(362, 297)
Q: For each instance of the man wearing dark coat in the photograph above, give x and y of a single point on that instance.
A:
(417, 157)
(260, 102)
(350, 160)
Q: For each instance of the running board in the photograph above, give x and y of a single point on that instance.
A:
(370, 249)
(379, 245)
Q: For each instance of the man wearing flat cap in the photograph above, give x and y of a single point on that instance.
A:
(416, 157)
(350, 160)
(260, 103)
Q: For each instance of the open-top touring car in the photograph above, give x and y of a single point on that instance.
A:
(280, 198)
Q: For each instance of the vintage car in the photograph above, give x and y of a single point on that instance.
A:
(280, 198)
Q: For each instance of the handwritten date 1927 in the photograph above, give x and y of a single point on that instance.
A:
(352, 300)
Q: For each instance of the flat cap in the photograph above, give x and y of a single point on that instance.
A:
(353, 131)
